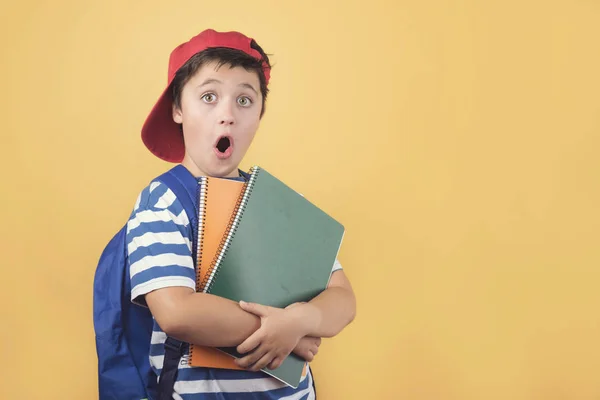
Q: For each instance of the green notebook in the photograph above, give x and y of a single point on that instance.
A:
(279, 250)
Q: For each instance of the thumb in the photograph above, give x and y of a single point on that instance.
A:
(254, 308)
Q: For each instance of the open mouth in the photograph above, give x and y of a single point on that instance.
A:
(223, 144)
(224, 147)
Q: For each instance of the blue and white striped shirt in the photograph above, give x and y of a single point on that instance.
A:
(159, 244)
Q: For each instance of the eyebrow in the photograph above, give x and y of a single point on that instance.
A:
(212, 80)
(209, 81)
(249, 86)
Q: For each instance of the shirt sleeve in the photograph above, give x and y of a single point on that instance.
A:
(336, 266)
(159, 243)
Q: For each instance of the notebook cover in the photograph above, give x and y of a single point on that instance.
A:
(281, 251)
(220, 198)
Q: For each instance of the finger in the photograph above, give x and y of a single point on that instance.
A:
(262, 363)
(309, 356)
(295, 305)
(251, 342)
(312, 341)
(314, 350)
(254, 308)
(305, 354)
(252, 358)
(276, 363)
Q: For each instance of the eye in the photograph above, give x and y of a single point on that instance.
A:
(209, 98)
(244, 101)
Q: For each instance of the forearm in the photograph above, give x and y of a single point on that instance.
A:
(204, 319)
(330, 312)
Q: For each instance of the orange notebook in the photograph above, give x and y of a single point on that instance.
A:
(218, 200)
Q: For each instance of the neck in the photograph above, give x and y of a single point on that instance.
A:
(198, 172)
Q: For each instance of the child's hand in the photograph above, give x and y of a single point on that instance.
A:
(294, 305)
(307, 348)
(279, 334)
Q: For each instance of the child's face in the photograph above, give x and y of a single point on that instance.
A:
(220, 113)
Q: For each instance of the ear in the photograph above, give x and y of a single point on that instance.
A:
(177, 114)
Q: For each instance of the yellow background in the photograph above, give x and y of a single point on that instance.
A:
(457, 141)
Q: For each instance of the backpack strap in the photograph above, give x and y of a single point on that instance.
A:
(184, 186)
(244, 175)
(181, 182)
(174, 350)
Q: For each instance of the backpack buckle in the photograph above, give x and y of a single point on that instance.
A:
(174, 345)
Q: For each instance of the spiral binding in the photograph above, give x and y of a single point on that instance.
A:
(231, 229)
(201, 226)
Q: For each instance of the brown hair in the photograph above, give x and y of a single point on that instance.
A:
(223, 56)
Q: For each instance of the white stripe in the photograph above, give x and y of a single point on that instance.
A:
(150, 238)
(158, 338)
(166, 200)
(154, 185)
(336, 266)
(137, 202)
(155, 216)
(300, 394)
(161, 260)
(228, 386)
(160, 283)
(157, 361)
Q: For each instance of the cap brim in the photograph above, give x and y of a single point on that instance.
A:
(161, 135)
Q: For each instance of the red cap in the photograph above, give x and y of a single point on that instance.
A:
(162, 135)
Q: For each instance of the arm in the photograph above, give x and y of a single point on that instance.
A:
(213, 321)
(201, 318)
(332, 310)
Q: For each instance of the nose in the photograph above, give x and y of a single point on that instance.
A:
(226, 114)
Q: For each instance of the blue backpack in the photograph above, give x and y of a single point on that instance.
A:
(123, 329)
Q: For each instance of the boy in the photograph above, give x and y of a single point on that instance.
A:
(206, 119)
